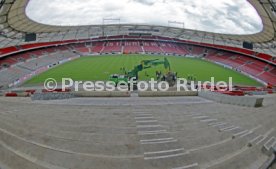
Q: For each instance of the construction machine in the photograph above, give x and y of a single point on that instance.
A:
(145, 64)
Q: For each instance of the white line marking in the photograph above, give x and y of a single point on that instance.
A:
(193, 115)
(160, 142)
(187, 166)
(144, 134)
(147, 121)
(139, 112)
(263, 139)
(270, 143)
(246, 134)
(211, 145)
(221, 124)
(165, 151)
(227, 128)
(256, 138)
(152, 132)
(254, 129)
(274, 144)
(215, 123)
(240, 133)
(139, 115)
(251, 131)
(235, 128)
(148, 126)
(270, 140)
(160, 139)
(163, 157)
(208, 120)
(144, 117)
(200, 117)
(141, 118)
(265, 136)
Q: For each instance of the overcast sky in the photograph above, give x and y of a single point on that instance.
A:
(221, 16)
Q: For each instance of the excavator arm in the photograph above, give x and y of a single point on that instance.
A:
(146, 64)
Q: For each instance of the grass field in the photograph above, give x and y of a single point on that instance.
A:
(101, 67)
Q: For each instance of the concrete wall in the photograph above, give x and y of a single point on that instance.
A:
(248, 101)
(62, 96)
(102, 94)
(260, 93)
(167, 94)
(52, 96)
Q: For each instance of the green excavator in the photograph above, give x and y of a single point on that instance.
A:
(145, 64)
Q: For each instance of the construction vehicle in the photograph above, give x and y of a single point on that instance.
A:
(118, 78)
(145, 64)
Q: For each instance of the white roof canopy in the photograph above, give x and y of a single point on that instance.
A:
(14, 23)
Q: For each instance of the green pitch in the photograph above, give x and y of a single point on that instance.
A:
(101, 67)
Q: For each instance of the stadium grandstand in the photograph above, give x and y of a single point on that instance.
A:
(258, 63)
(88, 132)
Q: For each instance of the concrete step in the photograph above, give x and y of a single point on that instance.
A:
(210, 153)
(15, 159)
(251, 158)
(69, 159)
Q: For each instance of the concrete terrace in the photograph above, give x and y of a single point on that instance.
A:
(155, 133)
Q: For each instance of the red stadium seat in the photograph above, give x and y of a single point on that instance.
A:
(151, 44)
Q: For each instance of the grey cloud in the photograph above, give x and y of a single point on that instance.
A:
(146, 2)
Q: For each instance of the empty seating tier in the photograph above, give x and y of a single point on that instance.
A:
(35, 59)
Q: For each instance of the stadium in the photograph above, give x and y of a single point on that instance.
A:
(61, 128)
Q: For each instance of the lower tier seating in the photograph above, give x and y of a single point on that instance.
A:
(33, 60)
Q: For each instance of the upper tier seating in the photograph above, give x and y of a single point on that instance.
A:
(15, 49)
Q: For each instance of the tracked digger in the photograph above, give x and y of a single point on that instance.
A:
(169, 76)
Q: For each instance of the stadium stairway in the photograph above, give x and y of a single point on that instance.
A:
(133, 137)
(77, 144)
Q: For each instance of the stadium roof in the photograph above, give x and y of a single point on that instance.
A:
(14, 23)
